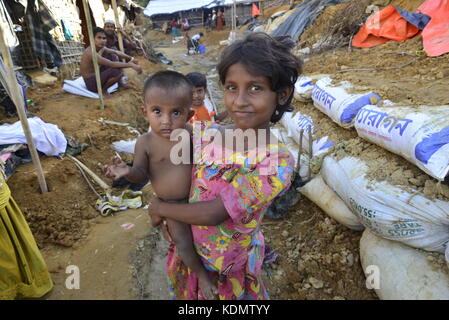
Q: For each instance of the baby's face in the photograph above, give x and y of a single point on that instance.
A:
(167, 110)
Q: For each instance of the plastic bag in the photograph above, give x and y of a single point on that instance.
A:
(303, 89)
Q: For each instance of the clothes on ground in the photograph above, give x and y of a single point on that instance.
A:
(128, 199)
(202, 114)
(74, 148)
(13, 155)
(233, 251)
(41, 22)
(47, 137)
(105, 74)
(78, 87)
(23, 272)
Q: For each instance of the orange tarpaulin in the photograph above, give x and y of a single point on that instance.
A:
(388, 24)
(384, 26)
(255, 10)
(436, 33)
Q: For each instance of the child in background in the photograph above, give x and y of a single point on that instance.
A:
(167, 98)
(228, 200)
(199, 83)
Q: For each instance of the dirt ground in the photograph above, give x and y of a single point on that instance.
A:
(318, 258)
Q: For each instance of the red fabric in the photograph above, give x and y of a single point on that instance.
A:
(255, 10)
(436, 33)
(384, 26)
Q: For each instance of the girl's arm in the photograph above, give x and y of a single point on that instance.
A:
(203, 213)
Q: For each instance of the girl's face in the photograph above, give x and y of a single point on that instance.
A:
(249, 99)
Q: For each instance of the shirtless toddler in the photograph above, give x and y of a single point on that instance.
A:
(167, 98)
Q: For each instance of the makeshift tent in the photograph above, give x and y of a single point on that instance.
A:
(305, 14)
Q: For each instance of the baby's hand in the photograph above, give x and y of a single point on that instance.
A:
(117, 170)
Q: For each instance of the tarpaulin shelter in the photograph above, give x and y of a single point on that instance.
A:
(306, 13)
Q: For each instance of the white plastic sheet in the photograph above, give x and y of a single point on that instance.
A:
(78, 87)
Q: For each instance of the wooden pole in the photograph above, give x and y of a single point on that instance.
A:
(17, 98)
(94, 52)
(118, 25)
(202, 19)
(235, 14)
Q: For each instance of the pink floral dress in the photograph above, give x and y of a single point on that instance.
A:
(232, 251)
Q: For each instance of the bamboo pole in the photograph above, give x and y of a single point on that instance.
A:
(18, 100)
(235, 14)
(118, 25)
(202, 19)
(94, 52)
(96, 178)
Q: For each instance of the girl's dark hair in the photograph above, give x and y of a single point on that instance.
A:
(266, 56)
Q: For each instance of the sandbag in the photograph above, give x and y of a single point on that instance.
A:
(282, 136)
(324, 197)
(404, 273)
(387, 210)
(420, 135)
(303, 89)
(293, 122)
(336, 102)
